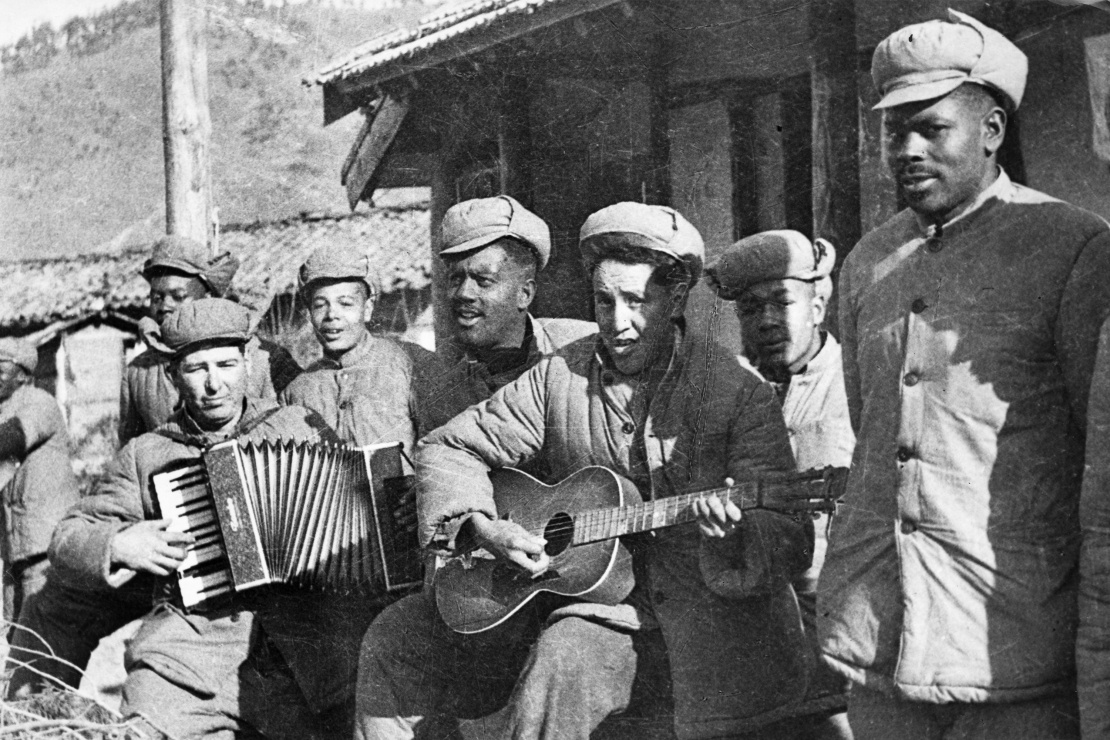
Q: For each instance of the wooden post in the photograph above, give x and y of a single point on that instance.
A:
(836, 189)
(186, 125)
(443, 197)
(514, 138)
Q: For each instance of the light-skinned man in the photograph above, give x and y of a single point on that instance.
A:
(222, 670)
(969, 325)
(781, 284)
(181, 270)
(671, 412)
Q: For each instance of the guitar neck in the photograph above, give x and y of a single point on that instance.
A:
(787, 495)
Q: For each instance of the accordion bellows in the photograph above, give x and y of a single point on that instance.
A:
(313, 515)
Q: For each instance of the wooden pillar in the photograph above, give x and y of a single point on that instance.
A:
(514, 139)
(836, 188)
(443, 197)
(187, 126)
(658, 190)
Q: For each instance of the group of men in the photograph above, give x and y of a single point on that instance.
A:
(962, 591)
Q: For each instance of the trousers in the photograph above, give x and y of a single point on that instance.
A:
(876, 716)
(59, 627)
(557, 681)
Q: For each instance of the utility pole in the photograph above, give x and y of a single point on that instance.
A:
(186, 125)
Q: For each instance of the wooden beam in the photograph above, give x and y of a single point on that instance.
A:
(514, 138)
(370, 149)
(187, 126)
(836, 185)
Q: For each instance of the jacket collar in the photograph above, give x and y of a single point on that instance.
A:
(357, 355)
(183, 428)
(1001, 190)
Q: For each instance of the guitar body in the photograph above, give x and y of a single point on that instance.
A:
(476, 593)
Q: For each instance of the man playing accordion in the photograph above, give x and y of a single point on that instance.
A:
(213, 673)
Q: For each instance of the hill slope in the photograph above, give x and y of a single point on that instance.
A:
(81, 137)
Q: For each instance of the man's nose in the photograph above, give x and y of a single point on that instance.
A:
(465, 291)
(909, 148)
(622, 318)
(211, 383)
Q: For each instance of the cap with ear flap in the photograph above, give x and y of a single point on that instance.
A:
(929, 60)
(769, 255)
(205, 321)
(190, 257)
(21, 352)
(658, 228)
(476, 223)
(338, 262)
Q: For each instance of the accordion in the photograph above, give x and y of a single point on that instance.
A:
(317, 516)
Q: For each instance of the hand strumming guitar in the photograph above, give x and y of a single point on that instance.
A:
(148, 546)
(717, 518)
(509, 541)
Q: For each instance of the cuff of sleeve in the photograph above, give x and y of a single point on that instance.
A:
(99, 550)
(446, 534)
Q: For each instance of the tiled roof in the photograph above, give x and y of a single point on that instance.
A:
(462, 27)
(37, 293)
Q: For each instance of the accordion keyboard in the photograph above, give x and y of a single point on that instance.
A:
(183, 498)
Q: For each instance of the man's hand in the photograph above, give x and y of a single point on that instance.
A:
(150, 547)
(716, 517)
(510, 541)
(402, 492)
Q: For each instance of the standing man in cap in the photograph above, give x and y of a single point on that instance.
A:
(221, 671)
(368, 389)
(37, 485)
(781, 284)
(180, 270)
(674, 414)
(492, 249)
(969, 325)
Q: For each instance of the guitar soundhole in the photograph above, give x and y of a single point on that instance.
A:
(558, 533)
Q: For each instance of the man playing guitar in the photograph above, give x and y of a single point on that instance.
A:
(674, 413)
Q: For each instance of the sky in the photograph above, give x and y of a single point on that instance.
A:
(17, 17)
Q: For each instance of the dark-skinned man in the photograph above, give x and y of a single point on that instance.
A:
(781, 285)
(969, 324)
(368, 390)
(492, 249)
(221, 671)
(37, 484)
(673, 413)
(181, 270)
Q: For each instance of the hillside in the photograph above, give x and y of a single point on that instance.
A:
(81, 152)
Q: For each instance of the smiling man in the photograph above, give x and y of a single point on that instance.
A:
(492, 249)
(226, 669)
(673, 412)
(969, 325)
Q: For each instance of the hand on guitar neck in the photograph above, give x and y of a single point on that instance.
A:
(509, 541)
(717, 517)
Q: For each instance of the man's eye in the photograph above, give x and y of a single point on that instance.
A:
(484, 282)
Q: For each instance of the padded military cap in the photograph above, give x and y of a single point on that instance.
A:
(338, 262)
(190, 257)
(929, 60)
(769, 255)
(657, 228)
(476, 223)
(205, 322)
(21, 352)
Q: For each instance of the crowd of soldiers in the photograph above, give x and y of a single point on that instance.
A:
(961, 591)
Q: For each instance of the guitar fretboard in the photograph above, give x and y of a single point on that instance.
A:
(604, 524)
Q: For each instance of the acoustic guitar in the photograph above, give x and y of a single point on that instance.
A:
(582, 518)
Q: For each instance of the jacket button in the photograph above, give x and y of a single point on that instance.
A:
(904, 454)
(908, 527)
(911, 379)
(934, 245)
(918, 305)
(346, 404)
(628, 427)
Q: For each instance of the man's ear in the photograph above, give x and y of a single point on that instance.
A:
(246, 361)
(526, 294)
(679, 294)
(820, 304)
(994, 130)
(368, 308)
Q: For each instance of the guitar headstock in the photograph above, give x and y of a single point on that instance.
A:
(816, 491)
